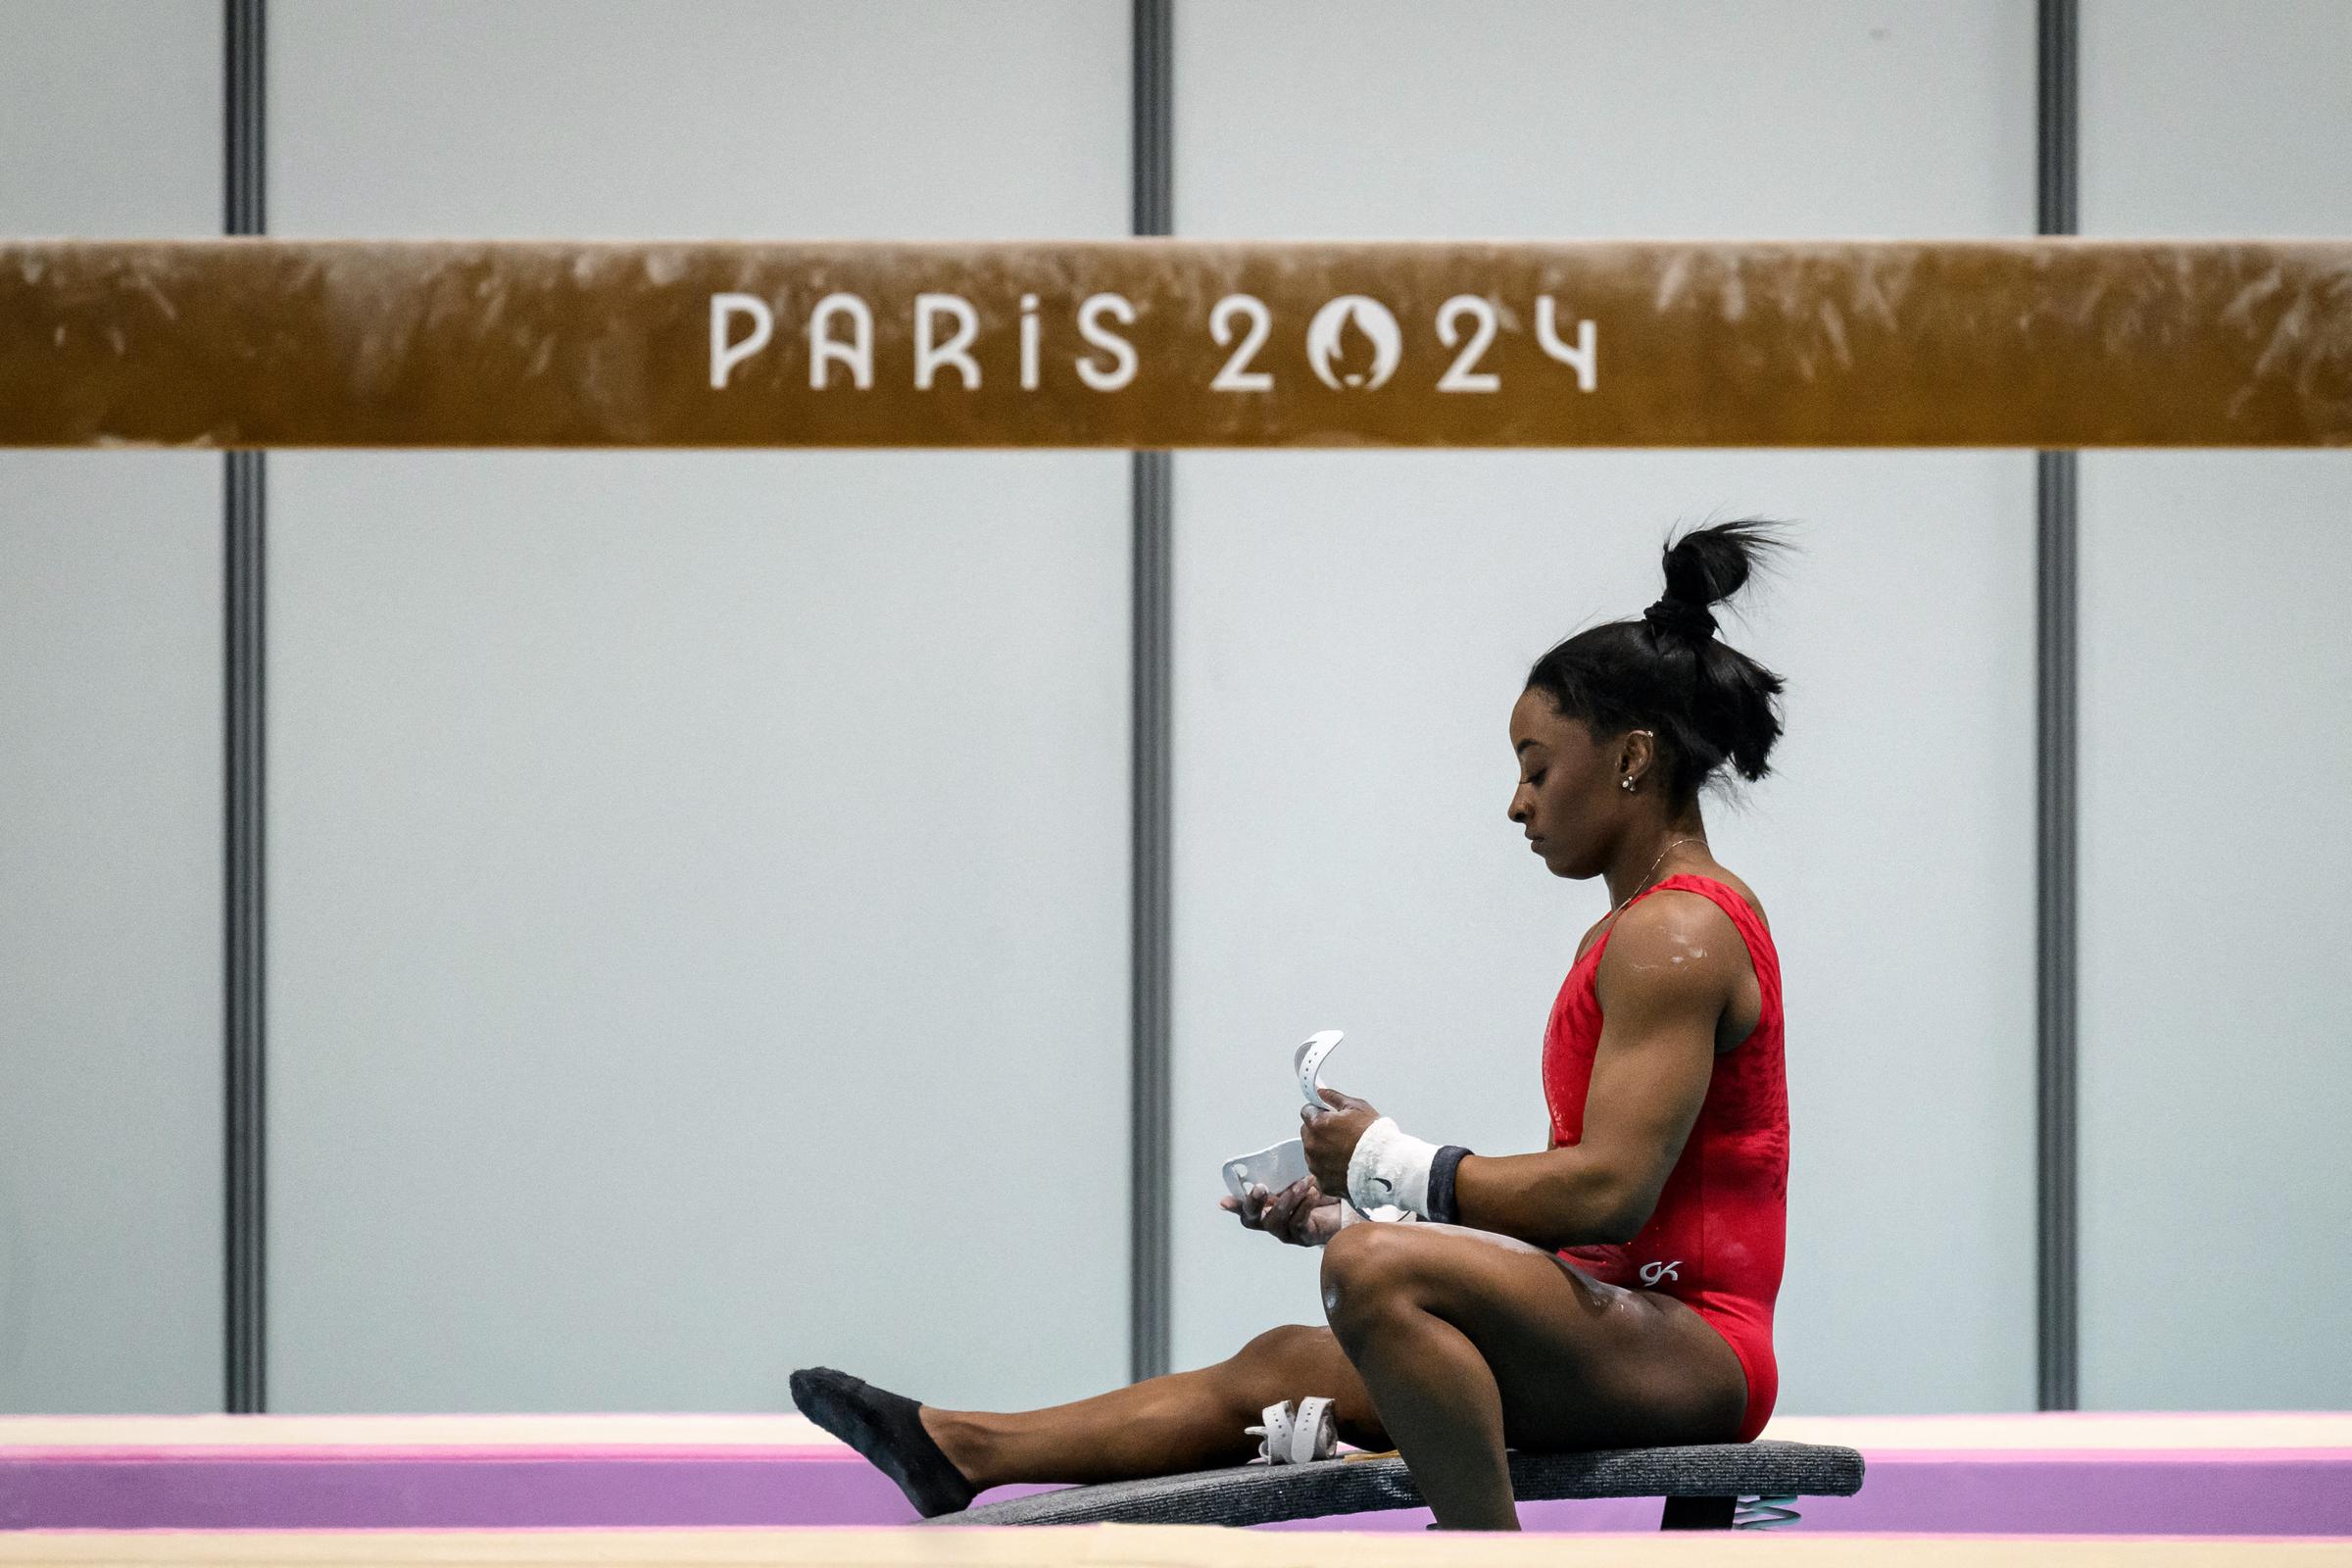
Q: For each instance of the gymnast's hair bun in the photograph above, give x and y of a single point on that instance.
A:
(1707, 565)
(1710, 705)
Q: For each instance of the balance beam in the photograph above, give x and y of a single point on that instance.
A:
(2203, 1475)
(1702, 1483)
(1171, 343)
(1125, 1546)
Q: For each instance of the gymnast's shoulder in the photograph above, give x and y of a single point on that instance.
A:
(1675, 940)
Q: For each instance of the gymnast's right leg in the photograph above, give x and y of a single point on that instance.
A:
(1162, 1426)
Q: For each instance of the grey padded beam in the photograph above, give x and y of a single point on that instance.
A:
(1263, 1494)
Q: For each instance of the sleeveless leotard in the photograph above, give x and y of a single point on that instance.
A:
(1717, 1239)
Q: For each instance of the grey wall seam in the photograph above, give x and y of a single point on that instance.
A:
(244, 1059)
(1151, 853)
(2057, 597)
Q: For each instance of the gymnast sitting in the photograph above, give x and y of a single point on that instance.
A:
(1613, 1291)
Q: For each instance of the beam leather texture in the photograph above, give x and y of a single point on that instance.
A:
(1157, 343)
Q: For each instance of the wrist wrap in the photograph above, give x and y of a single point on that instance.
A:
(1393, 1168)
(1443, 1205)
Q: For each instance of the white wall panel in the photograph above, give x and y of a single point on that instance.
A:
(2217, 755)
(2203, 121)
(1352, 630)
(110, 772)
(110, 117)
(698, 878)
(1569, 119)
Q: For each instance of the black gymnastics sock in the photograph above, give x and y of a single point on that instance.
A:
(884, 1427)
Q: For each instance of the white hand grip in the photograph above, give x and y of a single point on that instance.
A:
(1272, 1168)
(1314, 1430)
(1308, 1060)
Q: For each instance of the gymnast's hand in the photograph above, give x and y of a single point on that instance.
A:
(1331, 1136)
(1299, 1214)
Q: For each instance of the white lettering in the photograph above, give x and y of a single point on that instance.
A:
(932, 355)
(1029, 331)
(825, 349)
(1458, 376)
(725, 355)
(1580, 357)
(1236, 376)
(1122, 353)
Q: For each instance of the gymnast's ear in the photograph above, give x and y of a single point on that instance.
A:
(1637, 754)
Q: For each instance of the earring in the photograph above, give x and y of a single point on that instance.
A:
(1626, 784)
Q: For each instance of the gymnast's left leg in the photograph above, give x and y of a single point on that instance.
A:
(1469, 1343)
(1162, 1426)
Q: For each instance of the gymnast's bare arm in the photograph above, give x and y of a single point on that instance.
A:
(1672, 966)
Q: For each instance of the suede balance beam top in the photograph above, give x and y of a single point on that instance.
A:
(2046, 343)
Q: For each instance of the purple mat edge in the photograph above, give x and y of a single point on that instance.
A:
(2284, 1492)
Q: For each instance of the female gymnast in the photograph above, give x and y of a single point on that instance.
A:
(1613, 1291)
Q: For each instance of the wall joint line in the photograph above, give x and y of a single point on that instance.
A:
(1151, 913)
(245, 1356)
(2057, 631)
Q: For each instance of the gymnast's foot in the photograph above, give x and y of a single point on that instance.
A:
(888, 1429)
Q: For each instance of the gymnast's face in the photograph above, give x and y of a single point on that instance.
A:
(1567, 801)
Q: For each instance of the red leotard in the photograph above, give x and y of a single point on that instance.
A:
(1716, 1240)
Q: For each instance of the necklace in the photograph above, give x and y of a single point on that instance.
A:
(1653, 866)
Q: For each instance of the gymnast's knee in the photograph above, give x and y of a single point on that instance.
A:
(1274, 1365)
(1275, 1350)
(1367, 1270)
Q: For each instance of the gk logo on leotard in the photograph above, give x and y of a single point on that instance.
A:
(1651, 1273)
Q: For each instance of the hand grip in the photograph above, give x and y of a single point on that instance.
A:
(1308, 1060)
(1272, 1168)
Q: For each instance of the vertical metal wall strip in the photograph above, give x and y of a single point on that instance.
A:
(1151, 856)
(2057, 591)
(242, 574)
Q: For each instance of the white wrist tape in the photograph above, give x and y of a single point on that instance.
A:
(1389, 1166)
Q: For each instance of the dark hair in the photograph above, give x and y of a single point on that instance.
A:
(1707, 703)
